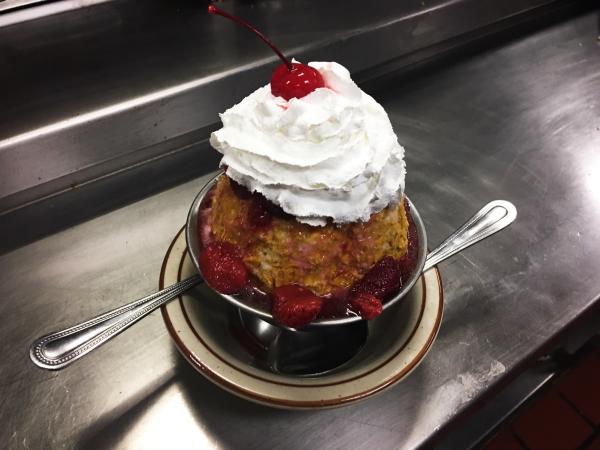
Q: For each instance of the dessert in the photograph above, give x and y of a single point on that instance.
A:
(310, 211)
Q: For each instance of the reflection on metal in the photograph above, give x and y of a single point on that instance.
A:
(590, 169)
(117, 108)
(168, 422)
(7, 5)
(16, 11)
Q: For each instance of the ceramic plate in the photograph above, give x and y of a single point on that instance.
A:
(201, 325)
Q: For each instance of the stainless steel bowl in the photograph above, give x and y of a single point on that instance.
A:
(191, 235)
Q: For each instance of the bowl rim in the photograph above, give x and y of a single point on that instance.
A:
(191, 237)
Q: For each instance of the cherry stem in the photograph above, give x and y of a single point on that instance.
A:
(212, 9)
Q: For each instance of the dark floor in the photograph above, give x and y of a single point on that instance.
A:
(565, 415)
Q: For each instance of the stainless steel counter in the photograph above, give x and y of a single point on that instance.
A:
(520, 122)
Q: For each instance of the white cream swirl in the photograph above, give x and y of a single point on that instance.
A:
(329, 155)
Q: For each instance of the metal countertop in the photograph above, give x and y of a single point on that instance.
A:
(519, 122)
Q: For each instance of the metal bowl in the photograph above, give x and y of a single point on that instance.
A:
(191, 235)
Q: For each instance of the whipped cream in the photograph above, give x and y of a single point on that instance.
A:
(331, 154)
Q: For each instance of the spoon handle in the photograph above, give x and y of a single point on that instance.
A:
(490, 219)
(57, 350)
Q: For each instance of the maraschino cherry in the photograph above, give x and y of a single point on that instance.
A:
(289, 80)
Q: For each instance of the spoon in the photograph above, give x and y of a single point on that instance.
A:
(59, 349)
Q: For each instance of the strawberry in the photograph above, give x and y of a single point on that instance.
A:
(223, 268)
(367, 305)
(335, 304)
(295, 306)
(382, 280)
